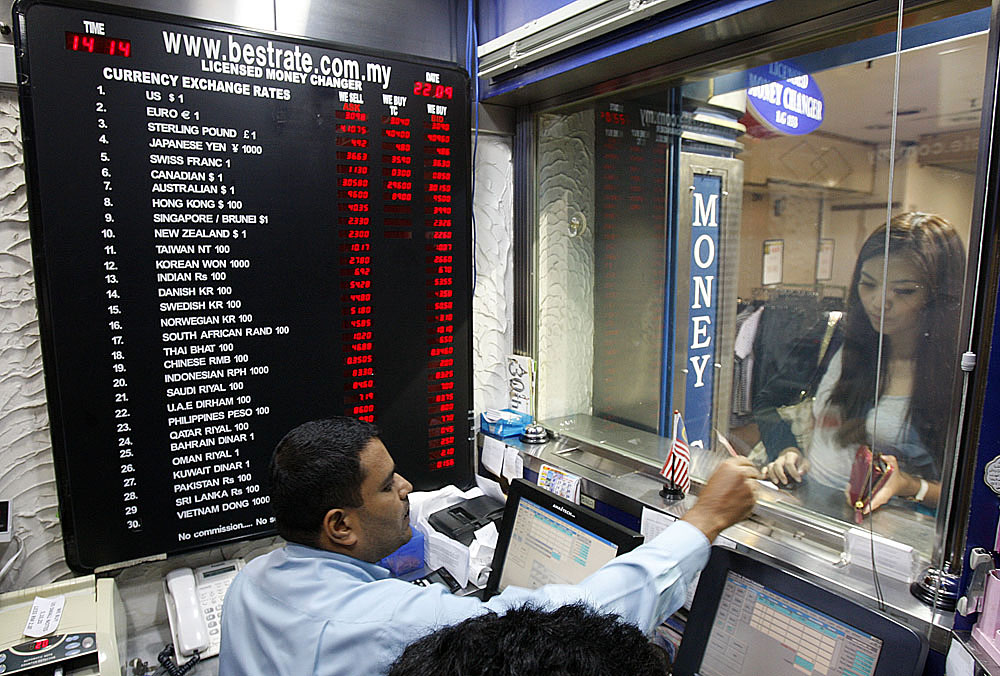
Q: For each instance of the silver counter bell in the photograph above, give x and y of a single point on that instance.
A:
(534, 434)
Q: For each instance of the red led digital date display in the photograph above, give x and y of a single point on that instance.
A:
(433, 90)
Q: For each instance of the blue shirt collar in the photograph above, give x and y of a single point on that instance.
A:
(348, 564)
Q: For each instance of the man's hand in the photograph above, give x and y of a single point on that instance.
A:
(790, 465)
(727, 498)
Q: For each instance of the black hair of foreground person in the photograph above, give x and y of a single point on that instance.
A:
(573, 640)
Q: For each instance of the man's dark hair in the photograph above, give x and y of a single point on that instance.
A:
(527, 641)
(314, 469)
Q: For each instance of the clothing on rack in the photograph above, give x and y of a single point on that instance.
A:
(793, 338)
(747, 323)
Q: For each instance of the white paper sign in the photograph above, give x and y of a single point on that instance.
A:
(824, 259)
(652, 522)
(723, 541)
(441, 551)
(490, 488)
(892, 558)
(513, 464)
(488, 535)
(480, 558)
(520, 377)
(774, 250)
(492, 457)
(44, 616)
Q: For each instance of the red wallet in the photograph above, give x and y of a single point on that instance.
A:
(868, 474)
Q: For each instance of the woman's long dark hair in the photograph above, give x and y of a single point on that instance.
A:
(932, 244)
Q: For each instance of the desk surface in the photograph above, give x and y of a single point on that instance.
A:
(808, 543)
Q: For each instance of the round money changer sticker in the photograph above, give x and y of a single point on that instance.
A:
(991, 475)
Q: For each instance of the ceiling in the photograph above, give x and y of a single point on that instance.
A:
(940, 90)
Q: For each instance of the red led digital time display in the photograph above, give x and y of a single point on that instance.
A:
(431, 89)
(614, 118)
(98, 44)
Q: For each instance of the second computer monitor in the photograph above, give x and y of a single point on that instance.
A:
(749, 618)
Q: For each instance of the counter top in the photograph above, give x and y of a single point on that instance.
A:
(619, 466)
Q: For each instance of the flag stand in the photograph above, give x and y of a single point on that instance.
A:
(671, 491)
(675, 467)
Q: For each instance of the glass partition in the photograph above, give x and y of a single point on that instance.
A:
(717, 245)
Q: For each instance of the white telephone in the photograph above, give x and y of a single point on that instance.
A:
(194, 606)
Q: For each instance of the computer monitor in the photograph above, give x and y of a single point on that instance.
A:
(749, 618)
(546, 539)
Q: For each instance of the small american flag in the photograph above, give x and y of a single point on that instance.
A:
(679, 458)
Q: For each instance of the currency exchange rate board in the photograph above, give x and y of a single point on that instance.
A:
(234, 233)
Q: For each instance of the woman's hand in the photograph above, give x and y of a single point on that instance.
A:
(791, 464)
(899, 483)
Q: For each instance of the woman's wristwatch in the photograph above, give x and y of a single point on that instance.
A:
(921, 492)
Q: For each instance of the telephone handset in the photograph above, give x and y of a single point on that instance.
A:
(194, 606)
(186, 620)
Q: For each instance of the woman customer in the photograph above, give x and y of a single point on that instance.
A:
(918, 327)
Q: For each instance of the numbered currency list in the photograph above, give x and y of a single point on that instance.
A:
(234, 234)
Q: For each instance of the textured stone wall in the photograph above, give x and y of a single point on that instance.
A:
(565, 264)
(493, 302)
(28, 477)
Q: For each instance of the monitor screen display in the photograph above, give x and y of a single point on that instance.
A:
(547, 539)
(757, 630)
(547, 548)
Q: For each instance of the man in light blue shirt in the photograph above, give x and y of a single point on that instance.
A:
(320, 605)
